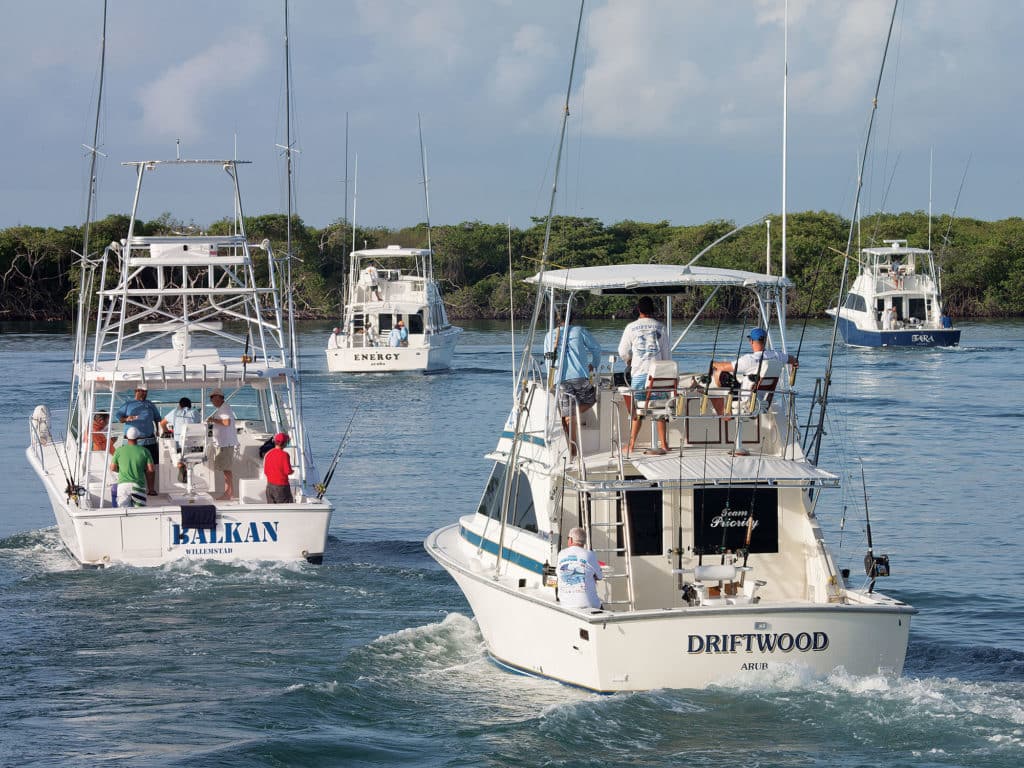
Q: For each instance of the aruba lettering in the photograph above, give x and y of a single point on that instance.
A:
(229, 533)
(758, 642)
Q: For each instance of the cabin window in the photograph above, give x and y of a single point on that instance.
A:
(721, 517)
(521, 511)
(386, 322)
(856, 302)
(645, 523)
(416, 322)
(915, 308)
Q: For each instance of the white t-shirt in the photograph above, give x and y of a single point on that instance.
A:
(577, 569)
(224, 437)
(751, 363)
(644, 342)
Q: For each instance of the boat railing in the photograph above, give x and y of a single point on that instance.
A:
(698, 417)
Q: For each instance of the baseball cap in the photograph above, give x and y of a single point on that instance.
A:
(757, 334)
(281, 438)
(131, 434)
(217, 392)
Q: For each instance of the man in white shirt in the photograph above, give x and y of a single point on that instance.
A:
(644, 342)
(578, 572)
(751, 363)
(225, 440)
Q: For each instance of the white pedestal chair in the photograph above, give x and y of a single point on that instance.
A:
(193, 451)
(658, 398)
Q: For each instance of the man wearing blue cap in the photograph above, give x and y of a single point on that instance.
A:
(750, 363)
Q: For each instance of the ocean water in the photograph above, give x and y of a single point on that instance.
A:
(374, 659)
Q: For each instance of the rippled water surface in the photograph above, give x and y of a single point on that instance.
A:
(374, 659)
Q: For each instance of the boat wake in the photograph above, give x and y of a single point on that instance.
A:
(41, 550)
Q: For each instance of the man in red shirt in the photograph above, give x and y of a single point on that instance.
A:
(277, 466)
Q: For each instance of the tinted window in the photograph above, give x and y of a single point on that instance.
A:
(521, 510)
(416, 322)
(856, 301)
(645, 523)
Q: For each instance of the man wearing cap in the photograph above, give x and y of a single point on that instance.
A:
(332, 342)
(750, 363)
(225, 441)
(134, 467)
(143, 415)
(277, 466)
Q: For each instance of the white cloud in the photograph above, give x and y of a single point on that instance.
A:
(526, 63)
(182, 102)
(638, 80)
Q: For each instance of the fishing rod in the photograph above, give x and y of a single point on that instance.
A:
(321, 488)
(807, 316)
(874, 565)
(827, 379)
(524, 392)
(952, 216)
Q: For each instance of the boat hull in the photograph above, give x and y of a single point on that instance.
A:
(678, 648)
(153, 535)
(906, 337)
(436, 356)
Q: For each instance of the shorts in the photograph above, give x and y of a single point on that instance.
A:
(279, 494)
(130, 495)
(639, 385)
(154, 451)
(572, 391)
(224, 458)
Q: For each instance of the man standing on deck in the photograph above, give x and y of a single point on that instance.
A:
(225, 440)
(134, 466)
(572, 373)
(277, 466)
(644, 342)
(143, 415)
(578, 572)
(399, 336)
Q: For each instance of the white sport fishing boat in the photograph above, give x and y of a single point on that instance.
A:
(715, 566)
(385, 286)
(896, 301)
(181, 316)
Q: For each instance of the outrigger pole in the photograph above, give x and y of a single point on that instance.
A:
(523, 396)
(815, 443)
(85, 275)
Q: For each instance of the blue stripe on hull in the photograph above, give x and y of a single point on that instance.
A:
(527, 563)
(942, 337)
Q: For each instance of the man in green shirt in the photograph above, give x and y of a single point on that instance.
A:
(131, 462)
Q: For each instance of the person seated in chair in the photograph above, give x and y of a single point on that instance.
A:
(748, 365)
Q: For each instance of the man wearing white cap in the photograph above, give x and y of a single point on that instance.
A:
(143, 415)
(133, 465)
(225, 440)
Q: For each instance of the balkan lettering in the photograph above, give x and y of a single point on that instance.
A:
(262, 532)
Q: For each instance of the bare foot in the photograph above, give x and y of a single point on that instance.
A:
(225, 498)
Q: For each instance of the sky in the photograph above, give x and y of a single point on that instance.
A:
(675, 114)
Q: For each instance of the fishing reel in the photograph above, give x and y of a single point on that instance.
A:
(728, 380)
(876, 565)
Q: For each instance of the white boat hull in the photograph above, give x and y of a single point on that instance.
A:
(678, 648)
(436, 356)
(153, 535)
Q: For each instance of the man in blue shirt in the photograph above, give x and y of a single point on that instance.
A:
(144, 416)
(399, 336)
(572, 354)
